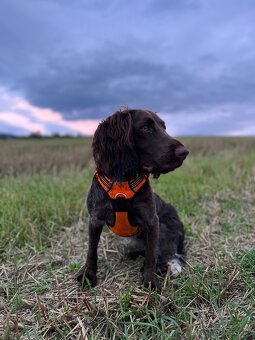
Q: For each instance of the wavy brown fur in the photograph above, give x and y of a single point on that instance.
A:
(113, 146)
(128, 143)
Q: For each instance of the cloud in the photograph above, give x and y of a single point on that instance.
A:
(85, 127)
(45, 115)
(21, 121)
(81, 60)
(93, 89)
(27, 118)
(221, 120)
(24, 118)
(98, 88)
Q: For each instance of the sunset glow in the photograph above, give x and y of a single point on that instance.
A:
(33, 119)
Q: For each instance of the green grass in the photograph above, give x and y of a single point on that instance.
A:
(32, 209)
(43, 243)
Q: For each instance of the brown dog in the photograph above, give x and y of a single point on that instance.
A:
(127, 147)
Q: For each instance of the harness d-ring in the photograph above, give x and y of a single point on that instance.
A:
(120, 195)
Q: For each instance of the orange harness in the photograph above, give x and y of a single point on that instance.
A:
(121, 196)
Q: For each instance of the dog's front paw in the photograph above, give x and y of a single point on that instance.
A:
(87, 277)
(151, 280)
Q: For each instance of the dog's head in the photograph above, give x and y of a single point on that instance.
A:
(135, 141)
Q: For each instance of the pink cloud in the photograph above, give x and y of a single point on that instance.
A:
(16, 119)
(87, 127)
(84, 126)
(44, 115)
(20, 112)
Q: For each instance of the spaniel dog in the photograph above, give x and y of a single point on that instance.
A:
(128, 146)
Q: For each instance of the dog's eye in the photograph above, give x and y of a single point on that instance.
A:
(146, 128)
(163, 125)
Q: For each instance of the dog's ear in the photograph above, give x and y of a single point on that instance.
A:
(113, 146)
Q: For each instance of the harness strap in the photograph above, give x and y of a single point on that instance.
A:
(106, 184)
(121, 195)
(126, 189)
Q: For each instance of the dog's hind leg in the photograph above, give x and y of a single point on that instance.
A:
(170, 248)
(175, 265)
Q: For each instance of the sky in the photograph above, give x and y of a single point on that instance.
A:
(66, 65)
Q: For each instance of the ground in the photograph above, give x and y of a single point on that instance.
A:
(43, 235)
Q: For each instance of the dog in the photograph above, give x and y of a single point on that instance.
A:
(128, 146)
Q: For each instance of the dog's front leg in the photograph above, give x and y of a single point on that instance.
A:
(151, 244)
(87, 274)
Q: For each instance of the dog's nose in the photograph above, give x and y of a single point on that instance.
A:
(181, 152)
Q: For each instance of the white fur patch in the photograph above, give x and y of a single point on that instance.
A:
(175, 267)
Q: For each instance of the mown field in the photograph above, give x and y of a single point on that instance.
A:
(43, 223)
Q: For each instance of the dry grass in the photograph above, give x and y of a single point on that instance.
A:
(43, 156)
(48, 303)
(54, 156)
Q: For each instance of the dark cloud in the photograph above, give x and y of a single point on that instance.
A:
(94, 89)
(219, 122)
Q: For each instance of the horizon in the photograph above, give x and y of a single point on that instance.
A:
(35, 135)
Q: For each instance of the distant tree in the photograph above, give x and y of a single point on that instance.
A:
(6, 136)
(35, 135)
(55, 135)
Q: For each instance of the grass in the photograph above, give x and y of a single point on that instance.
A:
(43, 242)
(43, 156)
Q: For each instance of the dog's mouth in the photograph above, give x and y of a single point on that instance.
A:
(150, 168)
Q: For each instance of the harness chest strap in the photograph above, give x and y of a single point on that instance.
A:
(121, 195)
